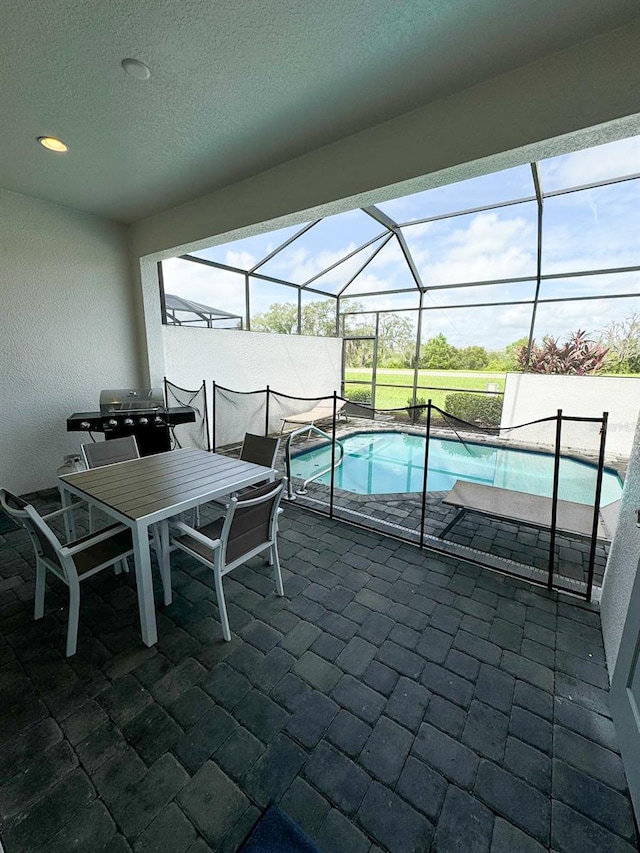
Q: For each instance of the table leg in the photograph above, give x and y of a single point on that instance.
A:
(164, 559)
(66, 500)
(144, 583)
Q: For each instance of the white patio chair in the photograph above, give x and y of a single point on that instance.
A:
(99, 453)
(248, 528)
(71, 563)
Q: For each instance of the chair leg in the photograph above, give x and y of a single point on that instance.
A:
(125, 566)
(117, 568)
(41, 575)
(91, 519)
(222, 605)
(74, 615)
(274, 560)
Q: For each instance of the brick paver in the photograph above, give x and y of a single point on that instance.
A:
(392, 701)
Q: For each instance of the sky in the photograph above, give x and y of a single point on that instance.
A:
(584, 230)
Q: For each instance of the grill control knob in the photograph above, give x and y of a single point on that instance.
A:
(85, 424)
(128, 421)
(144, 421)
(113, 422)
(158, 419)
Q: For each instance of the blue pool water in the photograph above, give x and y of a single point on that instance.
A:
(391, 462)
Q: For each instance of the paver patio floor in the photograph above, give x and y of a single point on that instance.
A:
(393, 700)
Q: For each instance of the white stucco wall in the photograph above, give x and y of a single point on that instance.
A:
(622, 566)
(249, 361)
(66, 330)
(531, 396)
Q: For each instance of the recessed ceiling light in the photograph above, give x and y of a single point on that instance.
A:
(53, 144)
(137, 69)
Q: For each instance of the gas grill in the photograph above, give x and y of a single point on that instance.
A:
(134, 411)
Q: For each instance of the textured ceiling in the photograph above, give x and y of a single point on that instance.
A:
(238, 87)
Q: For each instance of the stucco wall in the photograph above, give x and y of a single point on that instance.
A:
(622, 565)
(531, 396)
(249, 361)
(66, 330)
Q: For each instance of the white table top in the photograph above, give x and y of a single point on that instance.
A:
(165, 483)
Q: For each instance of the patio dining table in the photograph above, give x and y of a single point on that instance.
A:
(150, 490)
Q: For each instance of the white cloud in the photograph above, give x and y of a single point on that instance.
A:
(241, 259)
(613, 160)
(482, 247)
(208, 285)
(302, 263)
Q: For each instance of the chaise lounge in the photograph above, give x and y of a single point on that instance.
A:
(321, 412)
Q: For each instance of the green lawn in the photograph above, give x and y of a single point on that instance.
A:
(396, 397)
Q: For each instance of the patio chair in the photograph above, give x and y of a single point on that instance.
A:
(71, 563)
(99, 453)
(248, 528)
(259, 449)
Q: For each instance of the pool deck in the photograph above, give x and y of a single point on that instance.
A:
(391, 701)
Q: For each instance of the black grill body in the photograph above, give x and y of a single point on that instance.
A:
(151, 429)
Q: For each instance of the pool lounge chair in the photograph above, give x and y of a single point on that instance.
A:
(530, 510)
(321, 412)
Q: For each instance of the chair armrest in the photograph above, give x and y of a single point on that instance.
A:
(70, 550)
(62, 511)
(195, 534)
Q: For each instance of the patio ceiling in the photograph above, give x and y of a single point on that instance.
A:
(227, 88)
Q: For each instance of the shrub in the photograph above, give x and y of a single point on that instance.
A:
(578, 355)
(416, 411)
(358, 395)
(481, 409)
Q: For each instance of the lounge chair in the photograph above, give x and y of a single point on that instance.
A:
(530, 510)
(321, 412)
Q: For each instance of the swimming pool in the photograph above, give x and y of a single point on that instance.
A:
(392, 462)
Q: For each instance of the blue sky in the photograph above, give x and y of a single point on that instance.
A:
(584, 230)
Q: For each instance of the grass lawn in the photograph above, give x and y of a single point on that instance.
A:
(396, 397)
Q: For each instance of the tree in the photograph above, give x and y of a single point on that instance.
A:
(622, 340)
(438, 354)
(473, 358)
(281, 317)
(506, 360)
(317, 318)
(512, 351)
(578, 355)
(396, 340)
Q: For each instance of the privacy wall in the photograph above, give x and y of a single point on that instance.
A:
(531, 396)
(67, 331)
(245, 361)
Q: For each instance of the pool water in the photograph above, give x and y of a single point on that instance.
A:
(391, 462)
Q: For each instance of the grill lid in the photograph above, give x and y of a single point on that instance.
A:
(118, 400)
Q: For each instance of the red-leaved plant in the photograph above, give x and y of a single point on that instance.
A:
(578, 355)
